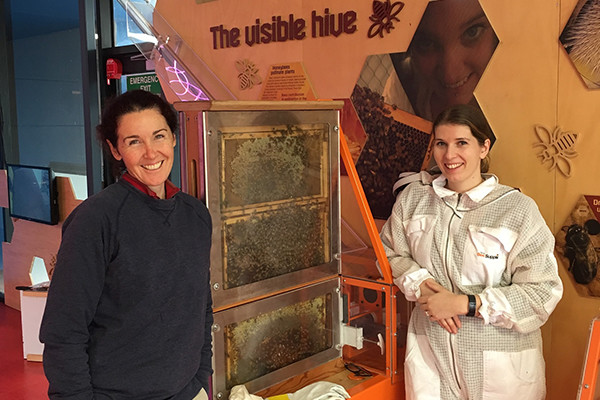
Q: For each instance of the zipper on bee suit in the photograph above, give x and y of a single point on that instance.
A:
(447, 261)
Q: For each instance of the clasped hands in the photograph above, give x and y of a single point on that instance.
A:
(442, 306)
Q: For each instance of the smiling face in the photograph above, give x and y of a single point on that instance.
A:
(145, 143)
(451, 48)
(458, 154)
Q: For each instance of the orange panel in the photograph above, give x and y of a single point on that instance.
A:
(590, 374)
(378, 387)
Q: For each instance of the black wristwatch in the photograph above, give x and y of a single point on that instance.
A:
(472, 305)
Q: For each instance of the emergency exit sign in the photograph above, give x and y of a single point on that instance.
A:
(148, 82)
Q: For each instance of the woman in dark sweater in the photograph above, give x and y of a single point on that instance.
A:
(129, 311)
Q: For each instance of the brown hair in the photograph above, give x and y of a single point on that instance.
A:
(473, 118)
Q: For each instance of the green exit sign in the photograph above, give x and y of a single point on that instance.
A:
(148, 82)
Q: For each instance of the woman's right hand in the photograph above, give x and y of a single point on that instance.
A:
(435, 300)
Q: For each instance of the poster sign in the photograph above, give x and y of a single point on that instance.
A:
(287, 82)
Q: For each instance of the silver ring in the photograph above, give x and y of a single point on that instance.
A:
(427, 313)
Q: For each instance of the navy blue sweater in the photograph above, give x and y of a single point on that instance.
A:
(129, 310)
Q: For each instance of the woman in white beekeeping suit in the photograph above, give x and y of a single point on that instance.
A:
(477, 257)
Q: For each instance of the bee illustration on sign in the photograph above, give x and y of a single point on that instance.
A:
(384, 15)
(579, 249)
(557, 148)
(248, 74)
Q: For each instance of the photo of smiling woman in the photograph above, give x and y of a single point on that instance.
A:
(129, 310)
(477, 258)
(445, 59)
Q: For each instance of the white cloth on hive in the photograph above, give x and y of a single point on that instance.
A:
(320, 391)
(240, 392)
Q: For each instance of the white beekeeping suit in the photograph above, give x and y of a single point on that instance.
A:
(490, 241)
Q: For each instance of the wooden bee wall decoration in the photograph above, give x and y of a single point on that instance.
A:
(384, 15)
(247, 74)
(557, 148)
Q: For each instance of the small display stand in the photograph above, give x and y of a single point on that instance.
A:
(33, 303)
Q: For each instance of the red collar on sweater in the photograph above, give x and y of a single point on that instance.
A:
(170, 189)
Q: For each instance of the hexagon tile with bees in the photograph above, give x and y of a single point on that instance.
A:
(557, 148)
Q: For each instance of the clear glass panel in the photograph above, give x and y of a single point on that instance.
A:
(350, 240)
(272, 163)
(274, 200)
(38, 273)
(367, 309)
(260, 345)
(175, 62)
(403, 312)
(126, 32)
(272, 191)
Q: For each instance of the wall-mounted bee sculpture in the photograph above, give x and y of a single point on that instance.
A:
(579, 249)
(384, 15)
(558, 147)
(248, 74)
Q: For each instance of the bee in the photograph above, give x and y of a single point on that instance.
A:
(248, 74)
(557, 147)
(579, 249)
(384, 13)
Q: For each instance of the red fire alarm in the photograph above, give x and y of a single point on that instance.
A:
(114, 69)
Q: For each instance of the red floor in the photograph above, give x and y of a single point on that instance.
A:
(19, 379)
